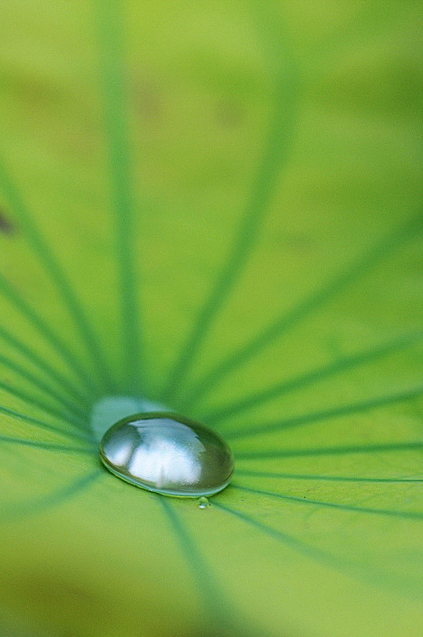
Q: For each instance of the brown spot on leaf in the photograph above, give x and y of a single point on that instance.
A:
(229, 113)
(149, 100)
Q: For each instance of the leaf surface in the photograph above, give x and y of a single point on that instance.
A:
(213, 207)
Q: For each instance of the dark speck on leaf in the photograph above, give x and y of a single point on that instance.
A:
(6, 226)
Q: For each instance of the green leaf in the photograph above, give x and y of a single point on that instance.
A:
(215, 207)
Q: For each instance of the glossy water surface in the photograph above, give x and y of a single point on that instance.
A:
(169, 454)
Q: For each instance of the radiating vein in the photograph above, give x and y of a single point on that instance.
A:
(329, 451)
(47, 257)
(34, 401)
(319, 416)
(49, 335)
(274, 156)
(39, 505)
(287, 320)
(49, 391)
(213, 598)
(76, 392)
(411, 515)
(287, 539)
(67, 431)
(303, 380)
(115, 92)
(324, 478)
(48, 446)
(317, 554)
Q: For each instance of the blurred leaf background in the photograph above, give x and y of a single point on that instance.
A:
(216, 206)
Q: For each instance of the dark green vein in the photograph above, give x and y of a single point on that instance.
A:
(291, 318)
(51, 337)
(329, 451)
(303, 380)
(48, 446)
(115, 92)
(319, 416)
(275, 155)
(213, 598)
(317, 554)
(34, 401)
(45, 425)
(39, 505)
(33, 357)
(70, 407)
(324, 478)
(410, 515)
(287, 539)
(47, 257)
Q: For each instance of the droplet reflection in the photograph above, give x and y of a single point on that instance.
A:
(169, 454)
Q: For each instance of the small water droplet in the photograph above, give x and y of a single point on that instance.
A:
(203, 503)
(168, 454)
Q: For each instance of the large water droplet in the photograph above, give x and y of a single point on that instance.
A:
(167, 453)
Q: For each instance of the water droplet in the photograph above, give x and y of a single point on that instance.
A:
(203, 503)
(167, 453)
